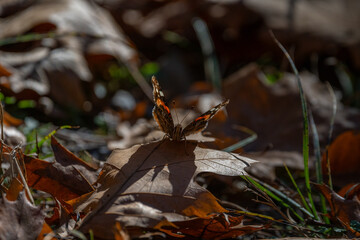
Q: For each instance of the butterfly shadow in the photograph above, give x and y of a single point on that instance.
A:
(165, 167)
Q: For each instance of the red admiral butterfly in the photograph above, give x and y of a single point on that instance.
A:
(162, 116)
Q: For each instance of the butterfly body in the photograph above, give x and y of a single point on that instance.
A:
(162, 116)
(177, 134)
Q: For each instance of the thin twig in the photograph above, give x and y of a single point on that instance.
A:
(135, 73)
(13, 156)
(2, 120)
(332, 121)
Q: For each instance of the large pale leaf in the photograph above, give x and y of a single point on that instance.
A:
(154, 183)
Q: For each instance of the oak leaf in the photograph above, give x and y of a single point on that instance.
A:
(153, 184)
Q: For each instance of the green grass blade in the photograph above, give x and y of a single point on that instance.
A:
(306, 205)
(269, 192)
(78, 234)
(253, 136)
(49, 136)
(317, 152)
(319, 176)
(91, 233)
(211, 64)
(305, 126)
(254, 215)
(26, 38)
(283, 196)
(344, 78)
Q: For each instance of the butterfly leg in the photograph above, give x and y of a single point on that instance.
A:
(165, 137)
(187, 154)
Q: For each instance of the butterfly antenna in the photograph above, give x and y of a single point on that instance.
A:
(192, 108)
(177, 118)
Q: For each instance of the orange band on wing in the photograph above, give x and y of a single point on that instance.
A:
(206, 117)
(159, 102)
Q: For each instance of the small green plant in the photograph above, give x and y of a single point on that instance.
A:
(320, 224)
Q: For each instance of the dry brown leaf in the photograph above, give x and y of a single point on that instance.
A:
(77, 173)
(20, 219)
(137, 182)
(62, 213)
(295, 24)
(7, 157)
(274, 113)
(62, 62)
(4, 71)
(46, 229)
(120, 234)
(131, 134)
(11, 121)
(12, 136)
(67, 178)
(56, 215)
(350, 191)
(342, 209)
(14, 190)
(344, 157)
(342, 16)
(40, 176)
(220, 226)
(270, 160)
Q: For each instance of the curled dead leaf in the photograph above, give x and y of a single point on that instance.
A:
(11, 121)
(342, 209)
(14, 190)
(66, 178)
(74, 167)
(46, 229)
(120, 234)
(219, 226)
(4, 72)
(350, 191)
(344, 156)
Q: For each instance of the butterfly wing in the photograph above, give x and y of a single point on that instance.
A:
(161, 112)
(200, 123)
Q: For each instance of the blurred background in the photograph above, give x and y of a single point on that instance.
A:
(89, 64)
